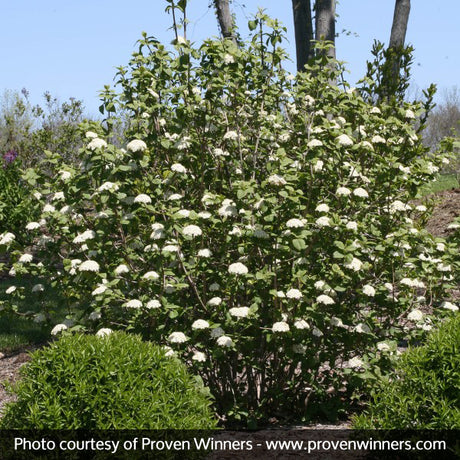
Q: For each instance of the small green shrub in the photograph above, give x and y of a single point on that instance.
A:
(425, 392)
(110, 382)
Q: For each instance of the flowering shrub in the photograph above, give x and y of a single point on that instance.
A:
(258, 224)
(108, 381)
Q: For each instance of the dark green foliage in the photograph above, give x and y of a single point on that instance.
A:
(14, 193)
(110, 382)
(380, 83)
(424, 393)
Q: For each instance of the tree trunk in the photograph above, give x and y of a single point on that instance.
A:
(396, 46)
(303, 27)
(399, 26)
(325, 23)
(225, 19)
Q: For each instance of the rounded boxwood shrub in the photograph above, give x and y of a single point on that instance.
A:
(116, 381)
(424, 392)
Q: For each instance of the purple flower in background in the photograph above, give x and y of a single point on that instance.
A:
(9, 157)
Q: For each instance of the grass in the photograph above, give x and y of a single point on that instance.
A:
(17, 330)
(443, 182)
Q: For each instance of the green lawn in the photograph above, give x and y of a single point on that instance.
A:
(443, 182)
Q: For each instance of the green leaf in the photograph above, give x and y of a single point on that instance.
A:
(299, 244)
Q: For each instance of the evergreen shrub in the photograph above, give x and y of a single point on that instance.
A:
(115, 381)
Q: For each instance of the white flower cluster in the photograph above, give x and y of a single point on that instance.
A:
(228, 208)
(32, 226)
(143, 199)
(294, 294)
(355, 363)
(314, 143)
(88, 266)
(153, 304)
(369, 290)
(239, 312)
(318, 166)
(191, 230)
(121, 269)
(412, 283)
(86, 235)
(158, 231)
(325, 299)
(323, 207)
(58, 328)
(96, 143)
(7, 238)
(275, 179)
(177, 337)
(136, 145)
(355, 264)
(344, 140)
(280, 326)
(177, 167)
(415, 315)
(206, 253)
(238, 268)
(295, 223)
(25, 258)
(323, 221)
(108, 186)
(152, 275)
(343, 191)
(449, 306)
(133, 303)
(398, 206)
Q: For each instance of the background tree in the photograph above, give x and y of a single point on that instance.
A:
(303, 27)
(324, 30)
(325, 24)
(30, 130)
(396, 53)
(399, 26)
(444, 121)
(225, 18)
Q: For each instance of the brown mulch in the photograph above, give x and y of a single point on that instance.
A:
(445, 211)
(9, 372)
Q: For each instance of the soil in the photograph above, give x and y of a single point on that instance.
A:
(447, 208)
(9, 372)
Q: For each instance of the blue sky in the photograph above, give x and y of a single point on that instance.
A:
(71, 48)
